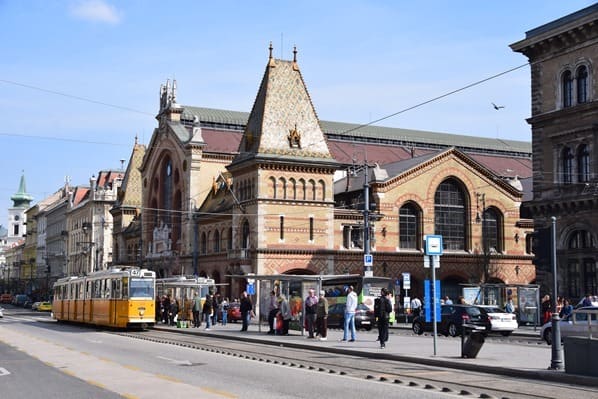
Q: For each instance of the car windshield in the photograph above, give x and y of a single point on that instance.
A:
(494, 310)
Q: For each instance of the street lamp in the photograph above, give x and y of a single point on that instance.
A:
(89, 246)
(556, 361)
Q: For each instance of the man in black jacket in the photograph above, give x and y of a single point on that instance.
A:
(246, 307)
(382, 310)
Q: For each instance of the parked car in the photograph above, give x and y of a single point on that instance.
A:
(364, 316)
(500, 321)
(576, 324)
(34, 305)
(6, 298)
(1, 312)
(452, 319)
(234, 312)
(44, 307)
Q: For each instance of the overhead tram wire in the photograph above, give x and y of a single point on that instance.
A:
(342, 133)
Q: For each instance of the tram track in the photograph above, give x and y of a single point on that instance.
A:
(453, 382)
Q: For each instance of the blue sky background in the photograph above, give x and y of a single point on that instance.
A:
(361, 60)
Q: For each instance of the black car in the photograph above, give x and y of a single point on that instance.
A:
(452, 319)
(364, 316)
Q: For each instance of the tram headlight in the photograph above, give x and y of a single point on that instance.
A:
(141, 311)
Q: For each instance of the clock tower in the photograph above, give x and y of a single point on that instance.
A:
(16, 214)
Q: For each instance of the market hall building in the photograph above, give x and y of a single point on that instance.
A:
(276, 190)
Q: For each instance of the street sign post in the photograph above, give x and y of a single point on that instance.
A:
(433, 250)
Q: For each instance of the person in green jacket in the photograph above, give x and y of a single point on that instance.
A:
(322, 316)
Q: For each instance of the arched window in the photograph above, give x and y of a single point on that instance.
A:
(204, 243)
(567, 86)
(272, 190)
(322, 189)
(312, 190)
(583, 164)
(409, 221)
(292, 189)
(301, 190)
(582, 84)
(492, 231)
(216, 241)
(567, 165)
(282, 188)
(449, 215)
(245, 236)
(229, 244)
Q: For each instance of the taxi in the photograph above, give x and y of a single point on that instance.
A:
(44, 307)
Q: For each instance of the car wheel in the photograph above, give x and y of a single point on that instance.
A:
(453, 331)
(548, 336)
(418, 328)
(505, 333)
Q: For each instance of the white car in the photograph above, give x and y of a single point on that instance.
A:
(1, 312)
(576, 324)
(500, 321)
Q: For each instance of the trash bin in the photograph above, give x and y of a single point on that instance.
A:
(472, 340)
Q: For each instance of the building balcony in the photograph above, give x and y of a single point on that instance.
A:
(242, 253)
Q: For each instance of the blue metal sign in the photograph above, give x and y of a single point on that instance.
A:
(433, 245)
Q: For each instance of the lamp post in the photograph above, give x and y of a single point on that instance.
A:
(556, 361)
(90, 267)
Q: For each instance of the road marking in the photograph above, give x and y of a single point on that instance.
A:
(175, 361)
(3, 371)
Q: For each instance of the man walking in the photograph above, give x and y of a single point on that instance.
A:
(246, 307)
(322, 316)
(382, 309)
(350, 308)
(196, 309)
(311, 304)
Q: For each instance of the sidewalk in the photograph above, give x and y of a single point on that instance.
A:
(502, 358)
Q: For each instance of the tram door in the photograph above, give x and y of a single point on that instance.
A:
(114, 300)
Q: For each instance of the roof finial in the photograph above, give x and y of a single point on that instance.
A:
(136, 139)
(270, 48)
(294, 53)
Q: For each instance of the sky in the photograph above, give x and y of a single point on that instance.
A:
(80, 79)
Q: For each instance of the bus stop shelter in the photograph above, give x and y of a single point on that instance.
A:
(294, 287)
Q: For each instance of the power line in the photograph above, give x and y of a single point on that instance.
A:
(58, 93)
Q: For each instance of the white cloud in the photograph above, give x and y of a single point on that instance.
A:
(97, 11)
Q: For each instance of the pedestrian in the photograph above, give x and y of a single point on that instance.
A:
(416, 306)
(173, 312)
(208, 307)
(272, 312)
(382, 310)
(546, 308)
(224, 311)
(246, 307)
(284, 312)
(350, 308)
(165, 309)
(196, 309)
(447, 300)
(510, 307)
(158, 310)
(322, 316)
(311, 304)
(215, 306)
(566, 310)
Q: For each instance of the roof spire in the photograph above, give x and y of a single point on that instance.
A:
(294, 53)
(21, 199)
(270, 48)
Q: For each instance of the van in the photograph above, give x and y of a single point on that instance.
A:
(20, 299)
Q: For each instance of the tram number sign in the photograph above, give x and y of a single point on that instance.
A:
(250, 289)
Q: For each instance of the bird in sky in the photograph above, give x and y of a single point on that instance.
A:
(497, 107)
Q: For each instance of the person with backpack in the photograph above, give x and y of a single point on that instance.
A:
(382, 310)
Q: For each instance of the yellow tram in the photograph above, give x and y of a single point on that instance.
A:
(121, 297)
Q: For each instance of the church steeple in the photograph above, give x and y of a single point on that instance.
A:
(21, 199)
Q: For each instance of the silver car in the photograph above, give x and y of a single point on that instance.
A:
(582, 322)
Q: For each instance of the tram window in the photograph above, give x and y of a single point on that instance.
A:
(107, 289)
(141, 288)
(97, 289)
(125, 287)
(116, 289)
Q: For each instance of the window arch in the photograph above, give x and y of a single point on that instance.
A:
(449, 215)
(245, 237)
(567, 87)
(216, 241)
(312, 190)
(322, 190)
(581, 239)
(301, 191)
(282, 188)
(409, 226)
(492, 231)
(204, 243)
(581, 77)
(566, 165)
(583, 164)
(272, 189)
(293, 189)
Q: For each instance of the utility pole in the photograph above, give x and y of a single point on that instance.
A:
(367, 268)
(556, 361)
